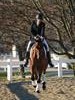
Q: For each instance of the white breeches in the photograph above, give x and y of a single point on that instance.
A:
(29, 43)
(44, 42)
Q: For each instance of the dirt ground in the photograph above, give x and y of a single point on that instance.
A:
(57, 89)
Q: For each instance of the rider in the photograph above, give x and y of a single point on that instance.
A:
(38, 28)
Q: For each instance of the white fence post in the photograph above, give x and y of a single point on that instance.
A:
(10, 62)
(14, 51)
(60, 68)
(9, 70)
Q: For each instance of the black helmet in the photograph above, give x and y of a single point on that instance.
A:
(39, 16)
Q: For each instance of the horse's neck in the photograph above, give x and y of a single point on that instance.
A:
(37, 51)
(39, 45)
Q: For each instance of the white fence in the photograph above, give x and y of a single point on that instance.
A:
(13, 62)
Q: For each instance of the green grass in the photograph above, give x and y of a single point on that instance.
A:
(3, 75)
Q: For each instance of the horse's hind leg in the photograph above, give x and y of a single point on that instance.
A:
(44, 81)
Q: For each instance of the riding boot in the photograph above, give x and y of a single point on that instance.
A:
(49, 60)
(27, 58)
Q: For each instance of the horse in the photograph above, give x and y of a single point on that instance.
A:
(38, 63)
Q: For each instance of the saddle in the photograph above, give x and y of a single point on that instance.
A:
(34, 40)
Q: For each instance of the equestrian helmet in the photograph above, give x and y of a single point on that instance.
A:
(39, 16)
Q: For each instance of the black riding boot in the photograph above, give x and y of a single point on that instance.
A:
(27, 58)
(49, 60)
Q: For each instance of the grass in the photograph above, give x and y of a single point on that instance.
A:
(3, 76)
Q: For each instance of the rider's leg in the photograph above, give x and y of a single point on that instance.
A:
(27, 53)
(48, 54)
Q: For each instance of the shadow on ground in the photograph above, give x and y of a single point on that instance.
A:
(20, 91)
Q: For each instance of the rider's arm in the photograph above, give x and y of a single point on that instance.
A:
(43, 30)
(33, 32)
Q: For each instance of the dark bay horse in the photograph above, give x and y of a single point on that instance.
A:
(38, 64)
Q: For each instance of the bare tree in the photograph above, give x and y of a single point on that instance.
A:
(59, 14)
(16, 17)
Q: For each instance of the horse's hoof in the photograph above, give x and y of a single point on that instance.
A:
(38, 91)
(23, 76)
(34, 86)
(44, 86)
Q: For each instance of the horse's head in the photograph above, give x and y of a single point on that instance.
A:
(38, 40)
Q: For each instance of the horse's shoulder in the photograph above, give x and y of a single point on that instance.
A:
(33, 47)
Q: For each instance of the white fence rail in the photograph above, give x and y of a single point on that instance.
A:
(9, 63)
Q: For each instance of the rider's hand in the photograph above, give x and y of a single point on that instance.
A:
(41, 37)
(35, 37)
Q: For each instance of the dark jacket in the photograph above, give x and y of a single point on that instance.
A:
(37, 30)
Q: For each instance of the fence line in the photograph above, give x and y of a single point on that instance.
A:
(10, 62)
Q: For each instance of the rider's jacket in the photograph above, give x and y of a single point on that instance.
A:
(37, 30)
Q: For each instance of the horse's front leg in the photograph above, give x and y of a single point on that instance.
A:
(34, 82)
(44, 81)
(39, 85)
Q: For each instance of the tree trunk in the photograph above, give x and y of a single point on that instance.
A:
(74, 63)
(21, 58)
